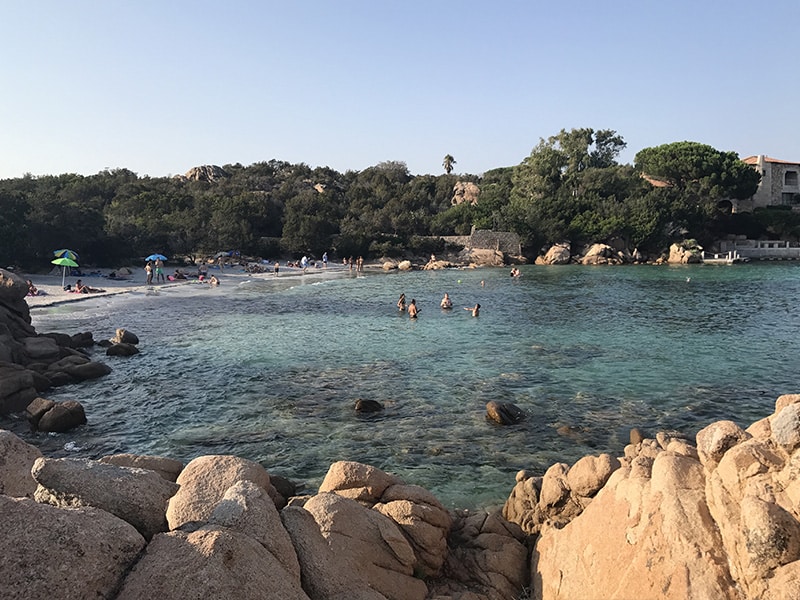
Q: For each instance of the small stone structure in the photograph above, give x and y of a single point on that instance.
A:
(507, 242)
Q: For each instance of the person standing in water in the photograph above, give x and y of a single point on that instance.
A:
(446, 302)
(401, 303)
(412, 309)
(475, 309)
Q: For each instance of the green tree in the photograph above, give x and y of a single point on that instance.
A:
(448, 163)
(311, 221)
(14, 237)
(565, 176)
(699, 171)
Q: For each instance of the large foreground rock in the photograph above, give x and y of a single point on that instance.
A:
(326, 575)
(640, 537)
(16, 460)
(247, 508)
(209, 563)
(203, 484)
(675, 521)
(137, 496)
(371, 543)
(69, 554)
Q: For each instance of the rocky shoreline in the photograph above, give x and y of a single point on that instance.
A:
(713, 517)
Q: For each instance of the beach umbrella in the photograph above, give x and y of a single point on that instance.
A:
(156, 257)
(65, 253)
(64, 262)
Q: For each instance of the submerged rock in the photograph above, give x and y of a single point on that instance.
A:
(504, 413)
(367, 406)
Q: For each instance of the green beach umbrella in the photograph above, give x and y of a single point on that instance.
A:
(64, 262)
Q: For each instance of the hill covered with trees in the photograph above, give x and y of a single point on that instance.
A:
(571, 187)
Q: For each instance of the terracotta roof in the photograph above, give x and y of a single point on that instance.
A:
(752, 160)
(659, 183)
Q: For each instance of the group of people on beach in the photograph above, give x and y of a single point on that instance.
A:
(156, 268)
(445, 304)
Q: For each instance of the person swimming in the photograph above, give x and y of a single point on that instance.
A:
(401, 303)
(475, 309)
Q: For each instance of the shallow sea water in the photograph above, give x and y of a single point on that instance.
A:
(270, 369)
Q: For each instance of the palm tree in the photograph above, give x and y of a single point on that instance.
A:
(448, 163)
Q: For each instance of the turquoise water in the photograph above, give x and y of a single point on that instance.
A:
(270, 370)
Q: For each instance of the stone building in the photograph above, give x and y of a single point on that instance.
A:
(780, 184)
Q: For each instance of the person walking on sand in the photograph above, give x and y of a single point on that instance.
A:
(475, 309)
(324, 260)
(160, 271)
(412, 309)
(148, 268)
(277, 267)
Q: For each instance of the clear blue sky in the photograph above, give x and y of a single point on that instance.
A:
(160, 86)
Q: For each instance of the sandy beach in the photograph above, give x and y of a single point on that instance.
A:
(52, 292)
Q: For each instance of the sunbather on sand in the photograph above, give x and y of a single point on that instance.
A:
(85, 289)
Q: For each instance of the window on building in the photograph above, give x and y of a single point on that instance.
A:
(790, 178)
(788, 198)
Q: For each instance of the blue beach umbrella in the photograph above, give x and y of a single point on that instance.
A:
(64, 262)
(65, 253)
(156, 257)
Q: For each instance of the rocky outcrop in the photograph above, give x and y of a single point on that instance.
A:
(558, 254)
(479, 257)
(669, 519)
(560, 495)
(211, 562)
(602, 254)
(31, 363)
(16, 460)
(123, 336)
(324, 573)
(167, 468)
(687, 252)
(373, 545)
(65, 553)
(206, 173)
(57, 417)
(203, 484)
(718, 519)
(465, 192)
(137, 496)
(488, 559)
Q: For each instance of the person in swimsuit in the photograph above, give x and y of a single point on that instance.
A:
(446, 302)
(401, 303)
(475, 309)
(412, 309)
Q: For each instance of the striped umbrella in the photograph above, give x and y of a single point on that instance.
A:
(65, 253)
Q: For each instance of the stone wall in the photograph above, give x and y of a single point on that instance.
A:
(486, 239)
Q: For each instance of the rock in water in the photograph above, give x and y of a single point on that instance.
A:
(503, 413)
(367, 406)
